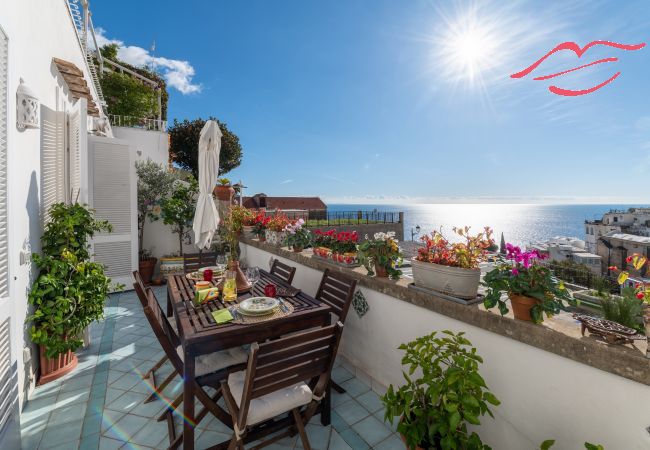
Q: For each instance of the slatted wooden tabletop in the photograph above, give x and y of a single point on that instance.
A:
(200, 334)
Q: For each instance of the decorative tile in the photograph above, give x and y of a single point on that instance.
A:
(360, 304)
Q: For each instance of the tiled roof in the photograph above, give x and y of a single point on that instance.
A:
(286, 203)
(76, 82)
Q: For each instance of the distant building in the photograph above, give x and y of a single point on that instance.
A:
(634, 221)
(306, 207)
(569, 249)
(614, 248)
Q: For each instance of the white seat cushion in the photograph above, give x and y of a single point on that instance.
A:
(269, 405)
(214, 362)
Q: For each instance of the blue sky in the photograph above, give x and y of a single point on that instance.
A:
(390, 101)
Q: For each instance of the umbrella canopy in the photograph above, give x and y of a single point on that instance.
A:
(206, 216)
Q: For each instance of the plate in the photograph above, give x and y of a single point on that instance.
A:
(258, 306)
(215, 269)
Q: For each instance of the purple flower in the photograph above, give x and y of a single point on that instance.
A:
(514, 271)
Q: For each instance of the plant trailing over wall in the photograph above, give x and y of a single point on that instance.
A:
(127, 96)
(178, 208)
(184, 140)
(154, 184)
(434, 407)
(70, 290)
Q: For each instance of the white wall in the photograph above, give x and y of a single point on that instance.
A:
(38, 30)
(543, 396)
(147, 144)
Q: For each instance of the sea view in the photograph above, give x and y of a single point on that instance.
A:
(520, 223)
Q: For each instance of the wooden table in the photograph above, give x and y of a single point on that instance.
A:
(200, 335)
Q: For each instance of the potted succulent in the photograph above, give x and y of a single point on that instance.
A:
(381, 255)
(447, 392)
(297, 237)
(452, 268)
(70, 291)
(533, 289)
(641, 290)
(224, 190)
(154, 184)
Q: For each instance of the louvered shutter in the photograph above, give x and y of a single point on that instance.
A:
(77, 143)
(53, 171)
(4, 216)
(112, 193)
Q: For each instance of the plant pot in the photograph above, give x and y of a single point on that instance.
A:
(454, 281)
(521, 306)
(381, 271)
(646, 325)
(243, 285)
(224, 193)
(248, 231)
(54, 368)
(171, 265)
(404, 440)
(297, 249)
(146, 268)
(262, 237)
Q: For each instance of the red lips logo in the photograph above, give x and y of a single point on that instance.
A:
(579, 52)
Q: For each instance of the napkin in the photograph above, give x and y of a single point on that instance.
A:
(204, 295)
(222, 316)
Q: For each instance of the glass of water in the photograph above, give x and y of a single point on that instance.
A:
(253, 275)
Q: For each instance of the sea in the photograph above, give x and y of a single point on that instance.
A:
(520, 224)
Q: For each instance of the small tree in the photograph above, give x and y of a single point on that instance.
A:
(178, 208)
(154, 184)
(184, 142)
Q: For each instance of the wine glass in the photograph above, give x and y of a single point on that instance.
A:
(221, 261)
(253, 275)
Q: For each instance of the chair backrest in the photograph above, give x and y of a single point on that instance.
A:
(283, 271)
(139, 285)
(274, 365)
(337, 291)
(194, 261)
(160, 325)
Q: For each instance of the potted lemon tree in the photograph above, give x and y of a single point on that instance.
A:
(70, 290)
(452, 267)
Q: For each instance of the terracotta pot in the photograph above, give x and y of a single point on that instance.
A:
(224, 193)
(381, 271)
(521, 306)
(242, 282)
(146, 268)
(297, 249)
(404, 440)
(54, 368)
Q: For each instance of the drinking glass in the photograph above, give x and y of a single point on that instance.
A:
(253, 275)
(221, 261)
(230, 286)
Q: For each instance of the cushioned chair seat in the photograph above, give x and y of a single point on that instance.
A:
(269, 405)
(214, 362)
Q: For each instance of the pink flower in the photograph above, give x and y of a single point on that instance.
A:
(514, 271)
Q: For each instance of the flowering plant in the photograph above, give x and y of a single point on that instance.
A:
(240, 216)
(278, 222)
(297, 237)
(341, 242)
(641, 290)
(323, 238)
(261, 223)
(465, 254)
(521, 273)
(381, 252)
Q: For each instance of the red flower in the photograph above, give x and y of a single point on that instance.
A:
(612, 268)
(628, 259)
(640, 295)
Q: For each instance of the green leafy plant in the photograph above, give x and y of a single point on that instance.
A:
(520, 273)
(184, 140)
(298, 237)
(154, 184)
(381, 251)
(223, 182)
(70, 290)
(178, 208)
(433, 409)
(626, 309)
(240, 216)
(551, 442)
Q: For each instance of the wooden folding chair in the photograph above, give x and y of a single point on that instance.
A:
(290, 374)
(283, 271)
(337, 291)
(211, 369)
(194, 261)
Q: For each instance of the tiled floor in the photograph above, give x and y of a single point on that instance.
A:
(100, 405)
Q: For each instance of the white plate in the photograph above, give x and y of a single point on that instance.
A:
(257, 306)
(215, 269)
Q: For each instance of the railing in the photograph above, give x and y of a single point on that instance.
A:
(138, 122)
(583, 277)
(319, 218)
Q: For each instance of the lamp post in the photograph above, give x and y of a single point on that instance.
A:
(415, 232)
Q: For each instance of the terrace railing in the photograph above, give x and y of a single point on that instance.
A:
(138, 122)
(320, 218)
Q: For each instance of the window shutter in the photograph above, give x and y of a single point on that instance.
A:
(4, 243)
(52, 159)
(77, 140)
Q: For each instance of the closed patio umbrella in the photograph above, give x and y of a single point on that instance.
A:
(206, 216)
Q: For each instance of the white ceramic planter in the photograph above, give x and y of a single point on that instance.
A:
(247, 231)
(454, 281)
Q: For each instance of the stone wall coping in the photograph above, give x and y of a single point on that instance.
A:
(559, 335)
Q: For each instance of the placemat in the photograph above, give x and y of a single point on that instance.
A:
(277, 313)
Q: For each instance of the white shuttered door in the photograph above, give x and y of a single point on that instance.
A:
(77, 153)
(112, 193)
